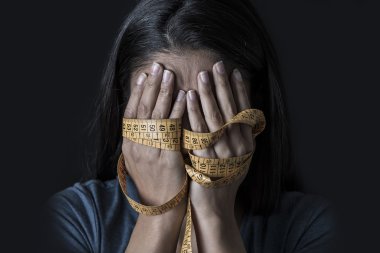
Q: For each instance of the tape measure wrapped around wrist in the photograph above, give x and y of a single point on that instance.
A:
(143, 209)
(168, 134)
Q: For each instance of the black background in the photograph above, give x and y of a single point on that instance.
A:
(53, 55)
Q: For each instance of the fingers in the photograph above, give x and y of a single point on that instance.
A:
(179, 106)
(164, 100)
(134, 100)
(210, 108)
(223, 91)
(240, 91)
(242, 102)
(212, 114)
(151, 89)
(228, 108)
(197, 122)
(154, 101)
(133, 103)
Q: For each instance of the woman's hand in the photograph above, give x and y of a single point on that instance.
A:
(158, 174)
(214, 207)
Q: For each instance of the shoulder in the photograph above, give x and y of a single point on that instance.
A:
(300, 223)
(306, 220)
(84, 194)
(298, 203)
(83, 214)
(84, 201)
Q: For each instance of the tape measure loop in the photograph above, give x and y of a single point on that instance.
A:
(144, 209)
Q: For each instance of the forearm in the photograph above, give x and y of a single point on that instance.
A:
(157, 233)
(217, 233)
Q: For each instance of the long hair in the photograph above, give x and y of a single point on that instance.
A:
(233, 31)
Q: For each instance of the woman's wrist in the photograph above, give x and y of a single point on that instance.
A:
(218, 231)
(214, 203)
(215, 215)
(213, 212)
(168, 220)
(160, 232)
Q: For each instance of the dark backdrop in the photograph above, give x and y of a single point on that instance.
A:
(53, 55)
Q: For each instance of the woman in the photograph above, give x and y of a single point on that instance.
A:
(203, 62)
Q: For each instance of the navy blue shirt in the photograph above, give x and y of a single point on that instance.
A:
(95, 217)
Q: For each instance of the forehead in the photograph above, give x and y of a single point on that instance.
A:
(194, 58)
(185, 65)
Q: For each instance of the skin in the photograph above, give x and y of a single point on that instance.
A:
(205, 92)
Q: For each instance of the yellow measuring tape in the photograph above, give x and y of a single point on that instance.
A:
(168, 134)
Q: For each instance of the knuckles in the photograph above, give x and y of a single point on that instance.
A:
(240, 86)
(129, 112)
(229, 111)
(216, 117)
(241, 150)
(225, 154)
(143, 110)
(193, 108)
(157, 115)
(200, 126)
(164, 92)
(223, 82)
(150, 82)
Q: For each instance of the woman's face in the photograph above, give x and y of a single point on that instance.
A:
(185, 68)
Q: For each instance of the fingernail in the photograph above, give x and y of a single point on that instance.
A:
(141, 79)
(192, 95)
(237, 75)
(181, 95)
(167, 75)
(155, 68)
(204, 76)
(220, 67)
